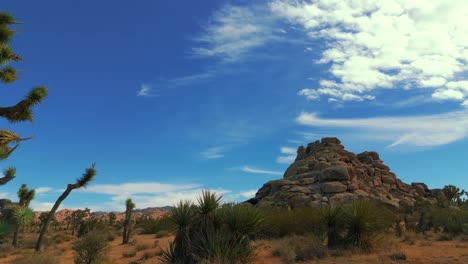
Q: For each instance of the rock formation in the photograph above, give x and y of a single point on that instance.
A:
(324, 172)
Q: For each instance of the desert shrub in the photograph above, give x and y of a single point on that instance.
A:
(211, 233)
(37, 258)
(280, 222)
(59, 238)
(141, 247)
(129, 254)
(154, 226)
(146, 255)
(6, 250)
(295, 249)
(90, 248)
(364, 221)
(397, 256)
(450, 220)
(163, 233)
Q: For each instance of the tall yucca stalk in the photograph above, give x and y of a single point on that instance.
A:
(80, 182)
(127, 225)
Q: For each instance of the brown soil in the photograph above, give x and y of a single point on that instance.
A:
(419, 251)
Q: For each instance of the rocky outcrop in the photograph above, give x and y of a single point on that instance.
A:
(324, 172)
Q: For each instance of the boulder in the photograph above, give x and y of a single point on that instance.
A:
(333, 187)
(335, 173)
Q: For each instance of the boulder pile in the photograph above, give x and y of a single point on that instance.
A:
(324, 172)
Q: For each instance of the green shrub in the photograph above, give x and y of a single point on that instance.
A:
(154, 226)
(211, 233)
(294, 249)
(280, 222)
(163, 233)
(90, 248)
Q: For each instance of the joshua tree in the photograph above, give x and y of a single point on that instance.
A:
(112, 218)
(127, 225)
(22, 111)
(25, 196)
(80, 182)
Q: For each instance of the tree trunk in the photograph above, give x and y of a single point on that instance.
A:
(15, 236)
(124, 235)
(51, 215)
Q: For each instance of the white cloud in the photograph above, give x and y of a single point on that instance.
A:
(378, 44)
(259, 171)
(424, 130)
(288, 155)
(146, 91)
(213, 153)
(249, 194)
(235, 30)
(43, 206)
(145, 194)
(43, 190)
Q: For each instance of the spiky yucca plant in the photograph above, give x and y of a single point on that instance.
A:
(25, 196)
(364, 221)
(332, 218)
(80, 183)
(211, 233)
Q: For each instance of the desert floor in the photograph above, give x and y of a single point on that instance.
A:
(145, 248)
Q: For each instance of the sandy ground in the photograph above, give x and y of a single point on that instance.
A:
(421, 252)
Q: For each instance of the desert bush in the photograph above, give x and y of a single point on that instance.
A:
(294, 249)
(6, 250)
(36, 258)
(129, 254)
(146, 255)
(364, 222)
(280, 222)
(397, 256)
(211, 233)
(90, 248)
(163, 233)
(141, 247)
(59, 238)
(450, 220)
(154, 226)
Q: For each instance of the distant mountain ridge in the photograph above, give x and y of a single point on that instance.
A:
(324, 172)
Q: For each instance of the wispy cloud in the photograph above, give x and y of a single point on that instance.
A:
(213, 153)
(259, 171)
(146, 91)
(385, 44)
(423, 130)
(42, 190)
(235, 30)
(249, 193)
(288, 155)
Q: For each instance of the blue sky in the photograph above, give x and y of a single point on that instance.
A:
(172, 97)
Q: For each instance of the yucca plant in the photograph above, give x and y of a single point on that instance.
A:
(80, 183)
(25, 196)
(211, 233)
(332, 219)
(364, 221)
(183, 216)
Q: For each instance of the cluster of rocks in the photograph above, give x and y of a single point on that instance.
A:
(324, 172)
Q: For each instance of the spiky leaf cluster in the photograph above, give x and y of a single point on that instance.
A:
(25, 195)
(22, 111)
(86, 177)
(23, 215)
